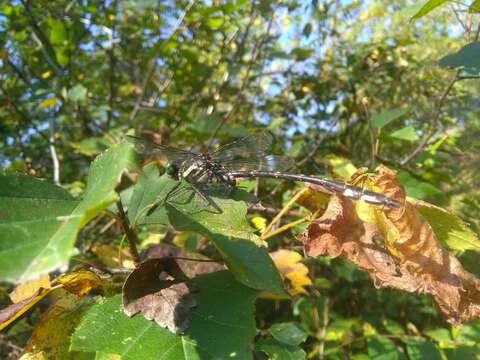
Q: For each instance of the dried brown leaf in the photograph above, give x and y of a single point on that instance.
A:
(158, 290)
(411, 260)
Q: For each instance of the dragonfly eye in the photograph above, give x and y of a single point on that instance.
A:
(171, 170)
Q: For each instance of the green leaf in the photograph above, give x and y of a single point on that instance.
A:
(421, 349)
(382, 348)
(205, 124)
(91, 146)
(384, 118)
(429, 6)
(288, 333)
(393, 327)
(245, 255)
(416, 187)
(461, 352)
(450, 230)
(302, 53)
(103, 176)
(215, 22)
(32, 211)
(276, 123)
(467, 58)
(407, 133)
(307, 29)
(147, 192)
(58, 32)
(474, 7)
(279, 351)
(77, 93)
(439, 334)
(222, 326)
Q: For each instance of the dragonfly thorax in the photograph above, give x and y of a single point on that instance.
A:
(203, 169)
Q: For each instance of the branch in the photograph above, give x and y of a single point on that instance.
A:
(130, 234)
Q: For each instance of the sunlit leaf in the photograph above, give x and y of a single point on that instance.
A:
(474, 7)
(293, 272)
(33, 212)
(382, 119)
(47, 241)
(77, 93)
(47, 102)
(449, 228)
(214, 22)
(429, 6)
(408, 133)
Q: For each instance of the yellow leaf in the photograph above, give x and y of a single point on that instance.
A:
(80, 282)
(292, 270)
(14, 311)
(259, 222)
(27, 289)
(52, 333)
(341, 167)
(38, 355)
(112, 255)
(47, 102)
(46, 74)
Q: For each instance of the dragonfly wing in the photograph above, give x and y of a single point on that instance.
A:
(153, 151)
(249, 147)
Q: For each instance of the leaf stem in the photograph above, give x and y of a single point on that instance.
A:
(282, 212)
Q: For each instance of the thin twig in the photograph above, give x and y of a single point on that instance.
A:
(271, 210)
(256, 54)
(282, 212)
(152, 62)
(435, 121)
(42, 40)
(112, 60)
(130, 234)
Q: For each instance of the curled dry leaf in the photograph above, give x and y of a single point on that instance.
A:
(158, 290)
(411, 258)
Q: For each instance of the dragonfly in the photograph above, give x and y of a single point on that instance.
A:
(246, 157)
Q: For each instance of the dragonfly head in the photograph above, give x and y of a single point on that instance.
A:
(171, 170)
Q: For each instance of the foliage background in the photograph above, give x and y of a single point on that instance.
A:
(76, 76)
